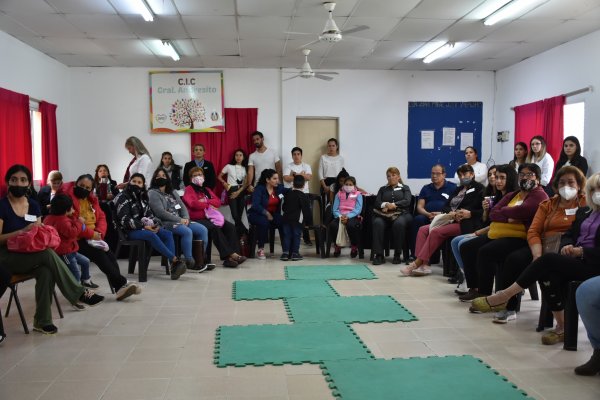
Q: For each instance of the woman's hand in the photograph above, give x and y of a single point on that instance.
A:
(82, 220)
(121, 186)
(269, 216)
(464, 214)
(235, 194)
(97, 236)
(185, 221)
(391, 206)
(151, 228)
(344, 219)
(571, 251)
(485, 204)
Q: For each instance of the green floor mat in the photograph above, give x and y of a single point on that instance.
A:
(287, 344)
(274, 290)
(347, 309)
(329, 272)
(452, 377)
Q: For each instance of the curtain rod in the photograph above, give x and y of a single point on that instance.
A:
(573, 93)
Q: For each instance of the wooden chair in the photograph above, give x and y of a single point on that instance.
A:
(14, 282)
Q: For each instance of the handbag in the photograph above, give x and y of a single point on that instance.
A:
(224, 198)
(391, 215)
(440, 220)
(215, 216)
(551, 244)
(38, 238)
(342, 238)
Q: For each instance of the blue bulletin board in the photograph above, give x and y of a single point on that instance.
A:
(434, 124)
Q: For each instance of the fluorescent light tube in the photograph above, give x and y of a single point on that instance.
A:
(439, 53)
(170, 50)
(509, 10)
(144, 10)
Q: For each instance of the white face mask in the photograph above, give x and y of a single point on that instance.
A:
(348, 189)
(567, 192)
(596, 198)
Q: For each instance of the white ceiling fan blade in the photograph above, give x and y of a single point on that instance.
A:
(327, 73)
(295, 76)
(298, 33)
(308, 44)
(324, 77)
(355, 29)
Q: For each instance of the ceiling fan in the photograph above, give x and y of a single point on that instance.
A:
(331, 33)
(307, 72)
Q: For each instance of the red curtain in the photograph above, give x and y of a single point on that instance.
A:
(49, 139)
(529, 121)
(239, 123)
(15, 132)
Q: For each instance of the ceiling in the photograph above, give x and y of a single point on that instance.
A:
(251, 33)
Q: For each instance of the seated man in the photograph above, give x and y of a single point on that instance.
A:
(431, 200)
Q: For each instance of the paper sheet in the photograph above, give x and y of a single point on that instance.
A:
(466, 140)
(448, 135)
(427, 139)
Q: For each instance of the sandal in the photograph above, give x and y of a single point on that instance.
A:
(481, 305)
(406, 271)
(553, 337)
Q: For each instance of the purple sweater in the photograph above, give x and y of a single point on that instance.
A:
(523, 213)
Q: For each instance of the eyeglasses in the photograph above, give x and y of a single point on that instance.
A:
(437, 173)
(527, 175)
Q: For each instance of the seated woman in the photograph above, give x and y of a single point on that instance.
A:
(18, 214)
(105, 186)
(265, 212)
(198, 199)
(4, 282)
(588, 304)
(490, 189)
(173, 170)
(46, 193)
(86, 207)
(553, 217)
(571, 155)
(464, 210)
(347, 207)
(506, 180)
(578, 260)
(510, 219)
(168, 207)
(139, 223)
(391, 210)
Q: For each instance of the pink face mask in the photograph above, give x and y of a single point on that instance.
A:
(198, 180)
(348, 189)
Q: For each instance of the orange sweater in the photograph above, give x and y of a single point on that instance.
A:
(551, 218)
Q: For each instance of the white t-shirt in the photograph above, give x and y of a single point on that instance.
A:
(330, 167)
(234, 173)
(262, 161)
(142, 165)
(546, 164)
(297, 168)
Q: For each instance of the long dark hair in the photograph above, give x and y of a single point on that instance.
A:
(168, 186)
(17, 168)
(512, 180)
(523, 145)
(244, 161)
(490, 190)
(474, 150)
(86, 176)
(266, 175)
(563, 156)
(143, 192)
(96, 179)
(343, 174)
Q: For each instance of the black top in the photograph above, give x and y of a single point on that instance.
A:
(294, 203)
(43, 197)
(11, 221)
(472, 202)
(399, 195)
(590, 254)
(579, 162)
(176, 176)
(210, 176)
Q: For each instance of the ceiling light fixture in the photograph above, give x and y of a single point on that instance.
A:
(170, 50)
(439, 53)
(144, 10)
(510, 9)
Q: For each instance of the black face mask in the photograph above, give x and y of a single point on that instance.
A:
(161, 182)
(135, 189)
(526, 184)
(81, 193)
(18, 191)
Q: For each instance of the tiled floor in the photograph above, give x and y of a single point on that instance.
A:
(160, 345)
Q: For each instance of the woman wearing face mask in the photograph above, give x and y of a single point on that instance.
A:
(136, 218)
(87, 208)
(578, 260)
(198, 198)
(539, 156)
(553, 217)
(510, 219)
(520, 157)
(571, 155)
(46, 193)
(480, 169)
(464, 206)
(347, 207)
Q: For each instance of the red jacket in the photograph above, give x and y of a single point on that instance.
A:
(67, 188)
(196, 207)
(69, 230)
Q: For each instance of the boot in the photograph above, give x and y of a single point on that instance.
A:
(198, 255)
(590, 368)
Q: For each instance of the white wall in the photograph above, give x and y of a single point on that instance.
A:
(569, 67)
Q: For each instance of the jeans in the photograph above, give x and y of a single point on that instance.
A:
(75, 261)
(456, 243)
(262, 227)
(588, 304)
(193, 231)
(161, 241)
(291, 238)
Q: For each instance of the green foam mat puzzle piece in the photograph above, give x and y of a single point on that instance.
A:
(287, 344)
(448, 378)
(329, 272)
(274, 290)
(351, 309)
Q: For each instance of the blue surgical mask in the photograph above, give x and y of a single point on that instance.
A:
(466, 181)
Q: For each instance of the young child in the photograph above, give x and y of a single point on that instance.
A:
(295, 202)
(69, 228)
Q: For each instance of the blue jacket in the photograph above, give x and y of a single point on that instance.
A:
(260, 199)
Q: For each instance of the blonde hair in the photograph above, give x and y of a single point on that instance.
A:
(531, 157)
(137, 145)
(54, 175)
(593, 182)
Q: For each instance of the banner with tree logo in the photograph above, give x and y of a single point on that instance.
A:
(186, 101)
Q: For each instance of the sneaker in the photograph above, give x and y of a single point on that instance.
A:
(470, 296)
(177, 269)
(260, 254)
(284, 257)
(190, 263)
(396, 259)
(378, 259)
(199, 268)
(337, 251)
(78, 306)
(553, 337)
(297, 257)
(308, 243)
(89, 284)
(210, 266)
(2, 337)
(129, 289)
(353, 252)
(462, 288)
(46, 330)
(90, 298)
(421, 271)
(502, 317)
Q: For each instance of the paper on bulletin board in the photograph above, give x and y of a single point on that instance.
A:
(466, 140)
(426, 140)
(448, 136)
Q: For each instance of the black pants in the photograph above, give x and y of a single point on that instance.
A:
(106, 261)
(353, 227)
(554, 271)
(224, 237)
(398, 226)
(514, 264)
(482, 256)
(236, 206)
(4, 282)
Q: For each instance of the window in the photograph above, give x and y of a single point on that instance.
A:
(36, 141)
(573, 119)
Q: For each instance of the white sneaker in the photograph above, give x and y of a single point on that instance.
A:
(502, 317)
(260, 254)
(421, 271)
(462, 288)
(127, 290)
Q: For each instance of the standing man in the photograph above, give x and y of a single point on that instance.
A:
(210, 177)
(263, 158)
(431, 200)
(297, 167)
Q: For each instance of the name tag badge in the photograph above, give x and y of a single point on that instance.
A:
(30, 218)
(446, 196)
(518, 203)
(398, 188)
(571, 211)
(281, 196)
(353, 196)
(177, 207)
(470, 190)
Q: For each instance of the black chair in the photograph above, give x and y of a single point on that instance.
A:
(329, 239)
(317, 226)
(571, 316)
(252, 231)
